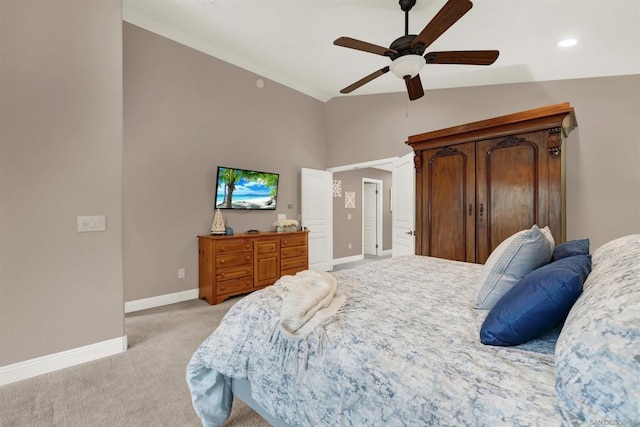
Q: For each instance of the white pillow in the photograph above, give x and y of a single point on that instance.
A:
(549, 236)
(516, 256)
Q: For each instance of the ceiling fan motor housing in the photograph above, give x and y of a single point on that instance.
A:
(402, 45)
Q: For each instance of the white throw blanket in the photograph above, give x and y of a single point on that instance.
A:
(308, 301)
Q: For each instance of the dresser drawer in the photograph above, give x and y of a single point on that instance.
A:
(235, 285)
(288, 263)
(230, 260)
(270, 247)
(293, 241)
(295, 251)
(228, 273)
(235, 245)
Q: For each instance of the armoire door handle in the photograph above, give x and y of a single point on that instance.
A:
(470, 209)
(481, 209)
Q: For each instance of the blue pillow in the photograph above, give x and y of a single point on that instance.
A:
(570, 248)
(538, 302)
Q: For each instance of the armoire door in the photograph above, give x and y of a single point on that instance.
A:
(448, 203)
(512, 188)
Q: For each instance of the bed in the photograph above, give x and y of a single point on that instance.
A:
(405, 347)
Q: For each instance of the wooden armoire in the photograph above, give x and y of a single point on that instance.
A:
(478, 183)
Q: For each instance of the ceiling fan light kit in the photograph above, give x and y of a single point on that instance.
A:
(406, 52)
(407, 66)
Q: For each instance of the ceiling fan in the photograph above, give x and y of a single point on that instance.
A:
(406, 51)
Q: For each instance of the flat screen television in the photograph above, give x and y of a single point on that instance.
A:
(246, 189)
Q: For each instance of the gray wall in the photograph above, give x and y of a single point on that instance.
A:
(346, 230)
(60, 157)
(603, 153)
(185, 113)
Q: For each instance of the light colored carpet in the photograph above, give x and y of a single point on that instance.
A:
(367, 259)
(144, 386)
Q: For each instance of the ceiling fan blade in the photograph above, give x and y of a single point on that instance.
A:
(364, 46)
(468, 57)
(414, 87)
(365, 80)
(445, 18)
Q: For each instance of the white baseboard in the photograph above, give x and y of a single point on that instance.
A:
(387, 252)
(53, 362)
(160, 300)
(337, 261)
(64, 359)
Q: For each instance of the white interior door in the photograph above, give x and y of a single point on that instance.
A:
(369, 218)
(316, 213)
(403, 180)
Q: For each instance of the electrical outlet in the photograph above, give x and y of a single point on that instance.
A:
(181, 273)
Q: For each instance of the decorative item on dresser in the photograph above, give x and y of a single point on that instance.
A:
(478, 183)
(217, 226)
(245, 262)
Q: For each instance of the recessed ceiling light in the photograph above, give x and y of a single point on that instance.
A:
(567, 42)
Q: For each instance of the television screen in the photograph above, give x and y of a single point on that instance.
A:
(246, 189)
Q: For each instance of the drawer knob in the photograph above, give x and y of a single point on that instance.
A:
(285, 252)
(248, 257)
(222, 288)
(285, 241)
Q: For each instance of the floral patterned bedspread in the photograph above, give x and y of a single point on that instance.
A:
(405, 351)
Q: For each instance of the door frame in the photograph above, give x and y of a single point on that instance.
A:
(386, 164)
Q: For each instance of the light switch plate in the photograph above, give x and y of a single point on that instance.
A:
(92, 223)
(282, 216)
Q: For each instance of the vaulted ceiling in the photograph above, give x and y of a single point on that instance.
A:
(291, 41)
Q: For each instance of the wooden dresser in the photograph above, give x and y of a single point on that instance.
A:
(233, 265)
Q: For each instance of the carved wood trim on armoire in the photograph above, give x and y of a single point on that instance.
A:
(478, 183)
